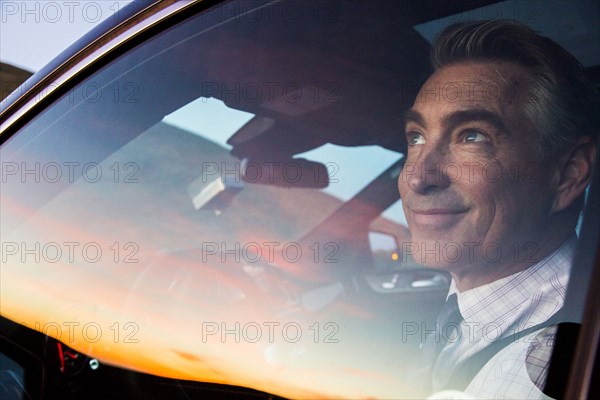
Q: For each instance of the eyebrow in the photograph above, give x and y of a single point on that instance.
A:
(460, 117)
(411, 115)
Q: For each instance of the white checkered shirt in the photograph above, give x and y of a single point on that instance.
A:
(505, 307)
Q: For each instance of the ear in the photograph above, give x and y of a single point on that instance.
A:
(574, 173)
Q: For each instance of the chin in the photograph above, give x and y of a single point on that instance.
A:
(442, 252)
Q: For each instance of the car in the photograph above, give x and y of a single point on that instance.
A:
(199, 199)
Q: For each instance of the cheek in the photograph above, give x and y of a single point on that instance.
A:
(402, 190)
(402, 185)
(406, 172)
(504, 203)
(475, 181)
(487, 194)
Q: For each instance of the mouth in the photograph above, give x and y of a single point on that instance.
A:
(437, 217)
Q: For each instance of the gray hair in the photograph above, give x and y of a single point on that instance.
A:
(564, 105)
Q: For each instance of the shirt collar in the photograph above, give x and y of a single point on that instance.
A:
(506, 300)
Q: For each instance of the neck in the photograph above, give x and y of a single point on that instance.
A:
(518, 258)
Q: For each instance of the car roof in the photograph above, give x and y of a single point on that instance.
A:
(420, 15)
(94, 37)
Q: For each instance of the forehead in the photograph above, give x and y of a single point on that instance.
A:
(489, 85)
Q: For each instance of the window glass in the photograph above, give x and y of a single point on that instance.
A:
(220, 204)
(12, 379)
(201, 207)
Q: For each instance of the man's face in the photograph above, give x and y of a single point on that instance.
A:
(473, 190)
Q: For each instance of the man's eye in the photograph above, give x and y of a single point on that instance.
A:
(415, 138)
(472, 136)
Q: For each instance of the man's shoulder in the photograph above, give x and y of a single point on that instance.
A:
(539, 351)
(519, 369)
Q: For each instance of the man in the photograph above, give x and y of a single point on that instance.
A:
(501, 144)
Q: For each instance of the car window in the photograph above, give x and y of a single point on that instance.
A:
(220, 204)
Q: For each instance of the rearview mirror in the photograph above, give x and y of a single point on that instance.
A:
(292, 172)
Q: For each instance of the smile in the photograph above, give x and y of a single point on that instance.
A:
(437, 217)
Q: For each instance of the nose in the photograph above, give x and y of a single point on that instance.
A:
(428, 174)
